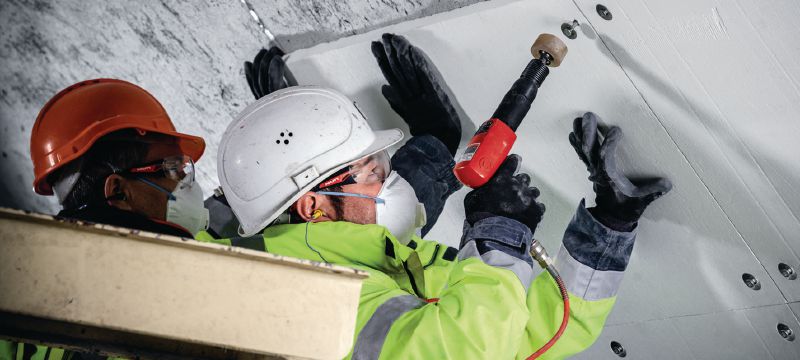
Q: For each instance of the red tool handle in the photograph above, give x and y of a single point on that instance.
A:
(485, 152)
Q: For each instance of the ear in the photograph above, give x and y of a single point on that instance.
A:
(310, 208)
(118, 192)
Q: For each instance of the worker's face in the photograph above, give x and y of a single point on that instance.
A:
(355, 209)
(368, 175)
(140, 197)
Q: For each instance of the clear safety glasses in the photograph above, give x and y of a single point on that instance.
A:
(177, 168)
(371, 169)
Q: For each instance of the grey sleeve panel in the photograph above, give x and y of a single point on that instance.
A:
(372, 336)
(585, 282)
(595, 245)
(500, 233)
(499, 259)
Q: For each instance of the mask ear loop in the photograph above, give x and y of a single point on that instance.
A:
(336, 193)
(157, 187)
(315, 215)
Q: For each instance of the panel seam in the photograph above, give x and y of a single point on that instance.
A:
(698, 314)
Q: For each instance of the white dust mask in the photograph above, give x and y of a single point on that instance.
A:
(185, 207)
(400, 212)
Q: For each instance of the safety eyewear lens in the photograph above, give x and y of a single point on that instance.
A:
(177, 168)
(371, 169)
(368, 170)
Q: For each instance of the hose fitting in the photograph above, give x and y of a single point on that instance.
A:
(540, 254)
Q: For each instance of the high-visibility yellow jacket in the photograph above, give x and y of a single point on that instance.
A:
(425, 300)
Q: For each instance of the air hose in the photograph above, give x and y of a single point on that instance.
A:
(540, 255)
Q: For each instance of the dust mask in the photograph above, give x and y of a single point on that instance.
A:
(186, 208)
(185, 205)
(400, 212)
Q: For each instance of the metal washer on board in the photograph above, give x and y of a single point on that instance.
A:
(751, 281)
(618, 349)
(570, 29)
(785, 332)
(787, 271)
(603, 12)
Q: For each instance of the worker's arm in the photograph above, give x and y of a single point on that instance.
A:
(591, 262)
(596, 247)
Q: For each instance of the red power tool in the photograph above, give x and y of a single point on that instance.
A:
(493, 140)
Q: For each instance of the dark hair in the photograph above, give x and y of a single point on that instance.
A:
(102, 159)
(336, 202)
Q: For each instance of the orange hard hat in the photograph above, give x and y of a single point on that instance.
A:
(73, 120)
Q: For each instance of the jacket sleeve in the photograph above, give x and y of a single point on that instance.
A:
(480, 315)
(591, 261)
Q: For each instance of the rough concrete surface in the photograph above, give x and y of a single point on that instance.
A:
(300, 24)
(187, 53)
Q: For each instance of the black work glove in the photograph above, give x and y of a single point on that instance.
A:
(267, 72)
(507, 194)
(620, 200)
(415, 92)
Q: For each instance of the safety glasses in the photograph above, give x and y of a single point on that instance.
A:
(177, 168)
(371, 169)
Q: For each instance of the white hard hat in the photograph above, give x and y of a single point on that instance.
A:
(287, 142)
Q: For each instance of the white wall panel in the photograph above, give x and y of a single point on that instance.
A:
(687, 244)
(722, 78)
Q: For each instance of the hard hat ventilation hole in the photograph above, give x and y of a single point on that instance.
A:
(283, 137)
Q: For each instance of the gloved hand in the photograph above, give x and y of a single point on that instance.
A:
(507, 194)
(620, 200)
(267, 72)
(415, 92)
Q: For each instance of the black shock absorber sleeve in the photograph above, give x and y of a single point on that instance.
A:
(518, 99)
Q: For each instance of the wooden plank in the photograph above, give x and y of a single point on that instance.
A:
(168, 291)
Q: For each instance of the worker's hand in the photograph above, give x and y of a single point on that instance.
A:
(620, 200)
(266, 73)
(507, 194)
(415, 90)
